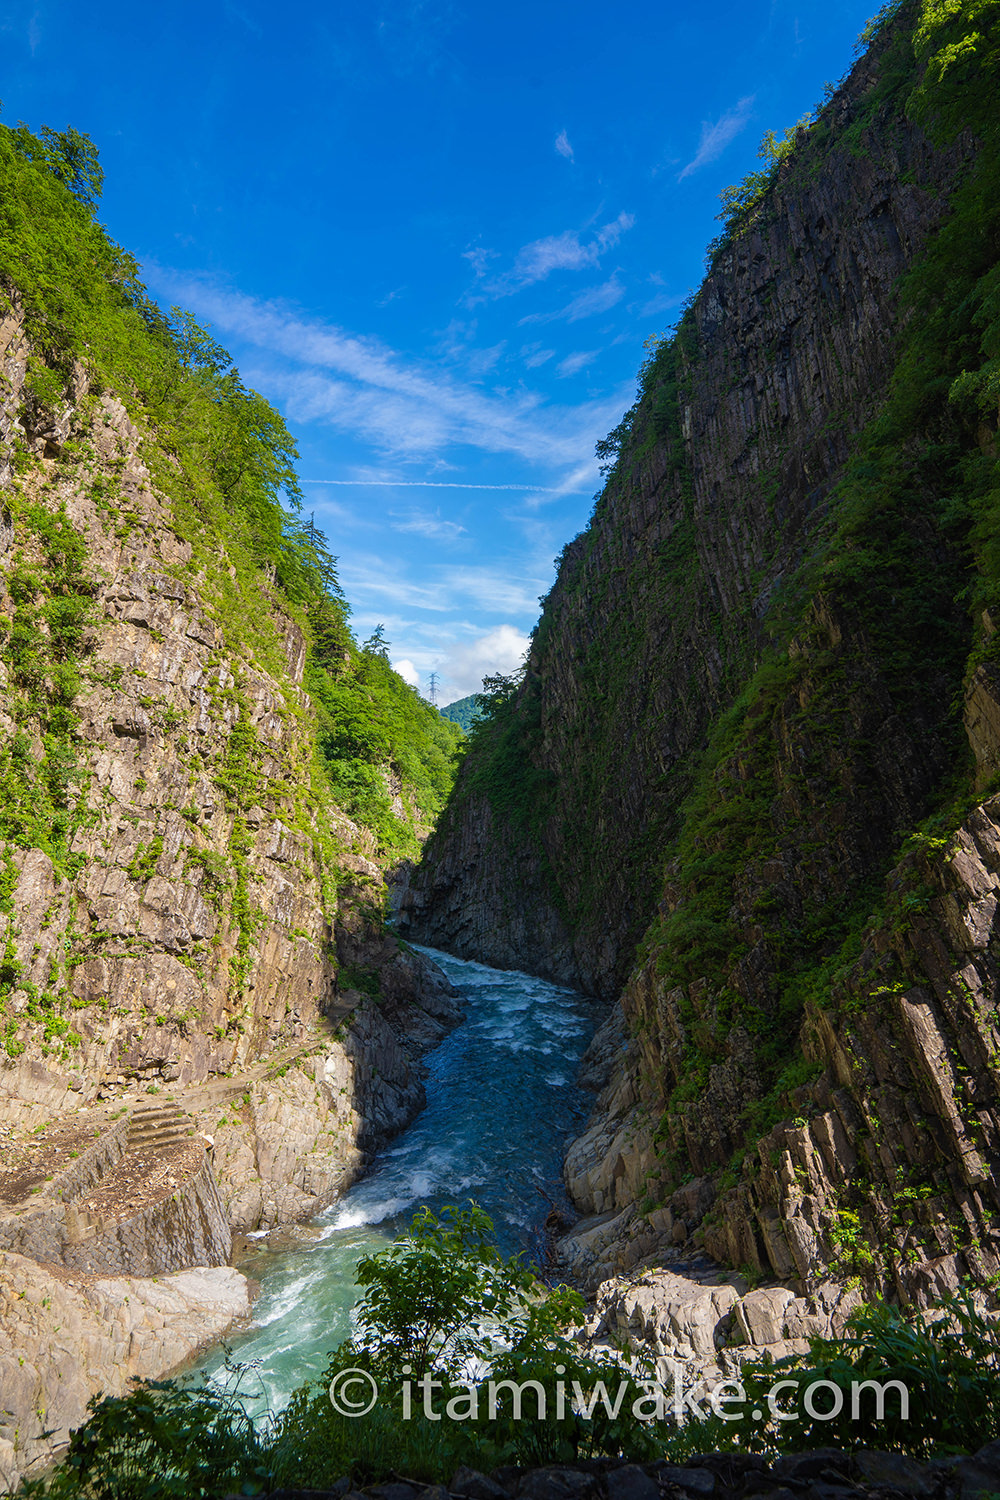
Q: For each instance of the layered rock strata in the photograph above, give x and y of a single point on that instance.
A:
(191, 745)
(203, 908)
(736, 789)
(895, 1144)
(182, 908)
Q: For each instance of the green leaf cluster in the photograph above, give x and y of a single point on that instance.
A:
(442, 1313)
(370, 720)
(43, 646)
(84, 304)
(464, 712)
(742, 202)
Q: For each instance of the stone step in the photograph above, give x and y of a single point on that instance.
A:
(155, 1126)
(165, 1137)
(154, 1122)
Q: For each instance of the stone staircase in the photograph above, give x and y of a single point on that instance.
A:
(153, 1127)
(139, 1200)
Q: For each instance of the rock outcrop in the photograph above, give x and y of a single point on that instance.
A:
(203, 901)
(660, 609)
(61, 1340)
(203, 1018)
(741, 785)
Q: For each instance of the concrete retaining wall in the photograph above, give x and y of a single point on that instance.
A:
(188, 1228)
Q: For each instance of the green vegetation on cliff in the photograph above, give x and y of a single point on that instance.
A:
(463, 1359)
(745, 723)
(895, 584)
(464, 711)
(226, 460)
(371, 718)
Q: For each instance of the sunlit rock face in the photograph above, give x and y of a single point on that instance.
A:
(204, 905)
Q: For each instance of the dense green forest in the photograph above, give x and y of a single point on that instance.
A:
(226, 460)
(464, 711)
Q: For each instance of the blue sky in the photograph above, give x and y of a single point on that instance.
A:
(435, 234)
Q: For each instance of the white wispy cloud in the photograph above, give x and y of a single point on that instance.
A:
(494, 589)
(373, 581)
(464, 666)
(715, 137)
(586, 304)
(377, 584)
(554, 252)
(662, 302)
(422, 523)
(574, 362)
(332, 511)
(403, 407)
(563, 146)
(435, 484)
(566, 251)
(240, 15)
(534, 355)
(457, 344)
(576, 481)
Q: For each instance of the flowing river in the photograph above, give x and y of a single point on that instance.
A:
(501, 1106)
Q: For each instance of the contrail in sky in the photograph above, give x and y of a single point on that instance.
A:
(440, 484)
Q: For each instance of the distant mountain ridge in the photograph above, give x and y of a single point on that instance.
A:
(463, 712)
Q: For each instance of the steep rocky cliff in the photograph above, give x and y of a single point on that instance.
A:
(760, 710)
(205, 1023)
(180, 893)
(661, 608)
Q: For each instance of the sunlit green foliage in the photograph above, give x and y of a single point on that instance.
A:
(370, 719)
(464, 712)
(956, 40)
(742, 202)
(84, 303)
(226, 459)
(441, 1302)
(42, 646)
(444, 1320)
(947, 1363)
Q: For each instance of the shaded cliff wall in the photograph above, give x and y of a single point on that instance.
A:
(550, 855)
(760, 712)
(874, 1158)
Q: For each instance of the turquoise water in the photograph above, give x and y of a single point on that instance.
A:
(501, 1106)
